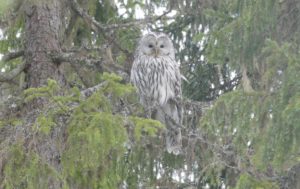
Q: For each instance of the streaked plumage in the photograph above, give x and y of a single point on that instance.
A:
(155, 74)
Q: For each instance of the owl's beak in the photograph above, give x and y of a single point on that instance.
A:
(156, 52)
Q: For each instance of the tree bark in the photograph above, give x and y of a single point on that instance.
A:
(43, 27)
(43, 35)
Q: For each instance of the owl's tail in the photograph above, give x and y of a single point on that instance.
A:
(170, 114)
(174, 141)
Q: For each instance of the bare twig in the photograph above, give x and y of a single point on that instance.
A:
(138, 22)
(89, 91)
(103, 29)
(77, 63)
(12, 55)
(85, 15)
(8, 76)
(92, 63)
(84, 48)
(92, 20)
(4, 77)
(199, 105)
(96, 26)
(69, 57)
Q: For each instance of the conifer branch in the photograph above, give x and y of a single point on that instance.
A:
(4, 77)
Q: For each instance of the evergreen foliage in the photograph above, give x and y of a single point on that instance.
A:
(92, 154)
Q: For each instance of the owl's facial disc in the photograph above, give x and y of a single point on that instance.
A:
(150, 48)
(158, 49)
(163, 46)
(156, 46)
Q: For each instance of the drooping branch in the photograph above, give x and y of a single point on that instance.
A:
(226, 156)
(4, 77)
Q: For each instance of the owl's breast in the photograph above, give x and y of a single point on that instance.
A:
(155, 78)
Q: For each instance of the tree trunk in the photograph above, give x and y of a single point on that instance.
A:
(43, 29)
(42, 33)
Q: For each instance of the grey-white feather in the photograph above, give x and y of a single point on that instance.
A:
(155, 73)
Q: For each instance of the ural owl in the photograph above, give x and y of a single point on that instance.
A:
(155, 74)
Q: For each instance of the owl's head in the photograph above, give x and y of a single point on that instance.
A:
(156, 45)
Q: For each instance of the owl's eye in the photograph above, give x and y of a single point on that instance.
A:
(162, 46)
(150, 46)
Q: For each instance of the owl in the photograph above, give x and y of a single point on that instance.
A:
(155, 73)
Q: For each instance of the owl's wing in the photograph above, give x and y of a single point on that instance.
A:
(178, 76)
(136, 77)
(173, 108)
(178, 94)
